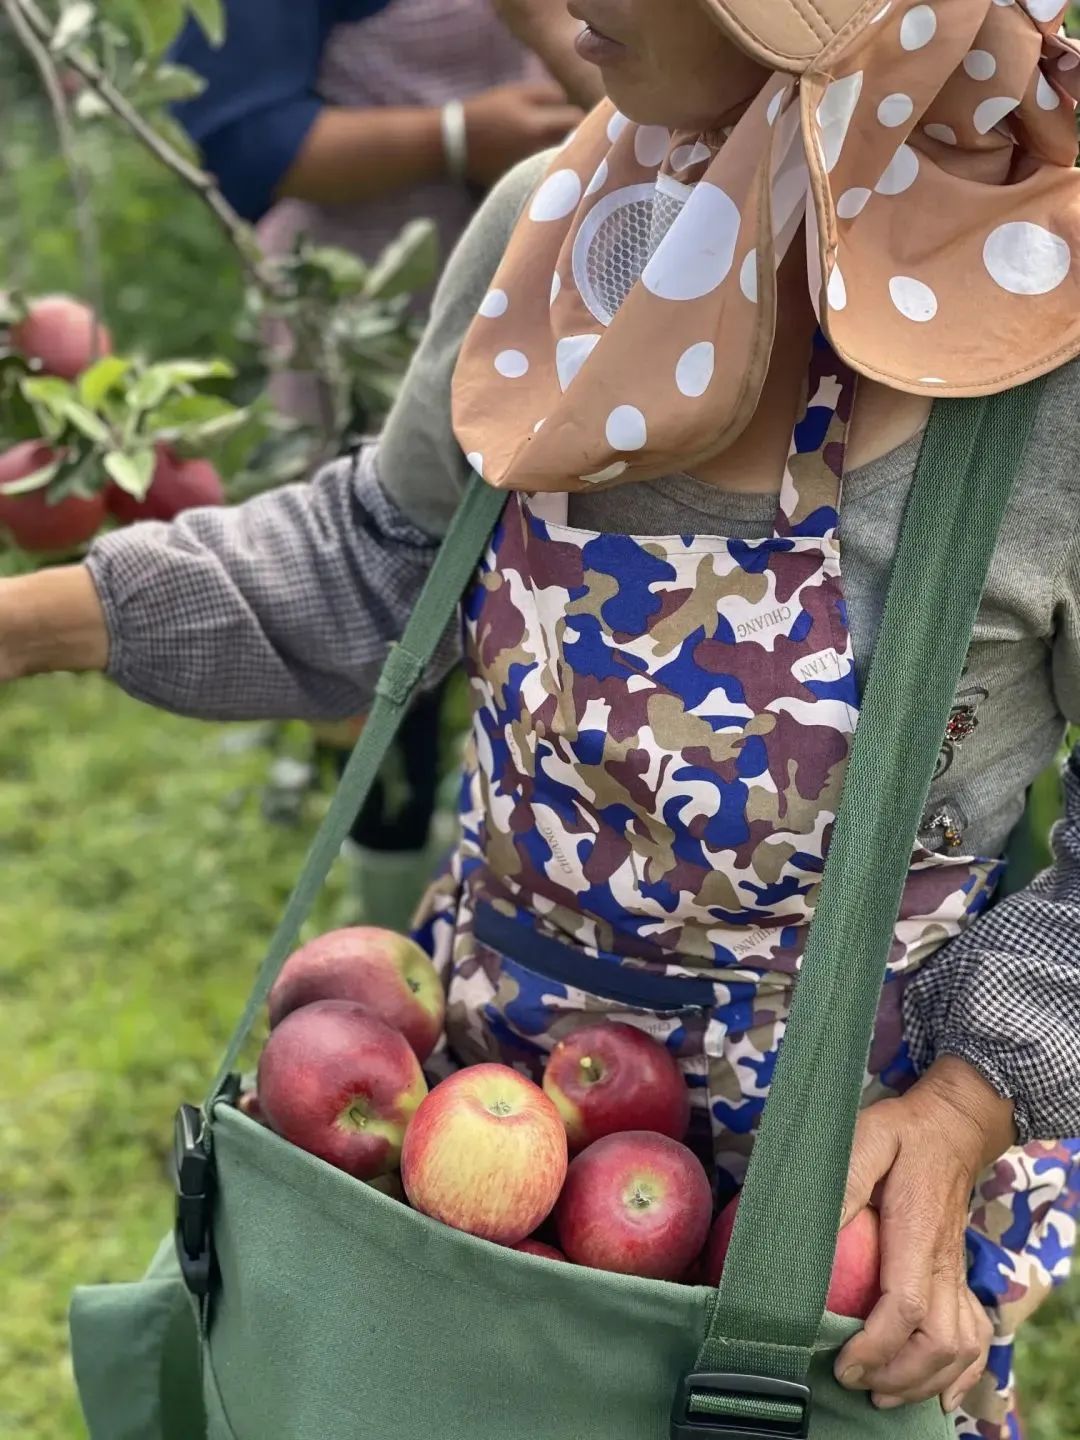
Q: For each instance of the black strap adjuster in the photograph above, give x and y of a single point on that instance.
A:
(194, 1176)
(743, 1407)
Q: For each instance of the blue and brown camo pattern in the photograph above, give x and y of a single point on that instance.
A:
(661, 729)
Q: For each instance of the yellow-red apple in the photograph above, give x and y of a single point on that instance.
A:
(486, 1153)
(337, 1082)
(386, 973)
(610, 1077)
(635, 1203)
(855, 1287)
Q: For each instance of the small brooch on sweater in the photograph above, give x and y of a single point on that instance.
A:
(962, 724)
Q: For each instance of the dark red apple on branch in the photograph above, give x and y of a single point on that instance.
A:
(855, 1287)
(178, 485)
(340, 1084)
(635, 1203)
(386, 973)
(32, 520)
(610, 1077)
(62, 334)
(486, 1153)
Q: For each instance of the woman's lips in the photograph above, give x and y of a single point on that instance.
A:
(598, 48)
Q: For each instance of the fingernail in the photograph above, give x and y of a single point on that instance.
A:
(887, 1402)
(852, 1376)
(951, 1402)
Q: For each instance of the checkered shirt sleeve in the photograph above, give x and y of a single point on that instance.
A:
(1005, 995)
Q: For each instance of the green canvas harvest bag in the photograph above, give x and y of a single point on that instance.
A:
(334, 1313)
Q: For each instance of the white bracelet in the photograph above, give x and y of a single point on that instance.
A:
(455, 137)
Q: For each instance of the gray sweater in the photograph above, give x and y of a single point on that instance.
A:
(286, 607)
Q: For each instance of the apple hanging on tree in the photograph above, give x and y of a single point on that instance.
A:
(33, 522)
(62, 335)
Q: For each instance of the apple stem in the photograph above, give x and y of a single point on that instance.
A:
(590, 1071)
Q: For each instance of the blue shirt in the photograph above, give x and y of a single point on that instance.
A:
(260, 99)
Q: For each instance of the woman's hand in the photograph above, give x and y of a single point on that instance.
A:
(511, 122)
(917, 1159)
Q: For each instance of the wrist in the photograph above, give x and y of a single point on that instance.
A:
(49, 621)
(455, 140)
(980, 1121)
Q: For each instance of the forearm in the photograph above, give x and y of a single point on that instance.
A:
(352, 155)
(1005, 995)
(52, 620)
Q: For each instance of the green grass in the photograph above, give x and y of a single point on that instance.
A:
(139, 886)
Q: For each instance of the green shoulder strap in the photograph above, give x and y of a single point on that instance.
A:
(772, 1297)
(458, 557)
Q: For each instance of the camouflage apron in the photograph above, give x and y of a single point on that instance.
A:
(660, 734)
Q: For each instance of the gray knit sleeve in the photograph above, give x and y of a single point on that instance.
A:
(1005, 995)
(283, 607)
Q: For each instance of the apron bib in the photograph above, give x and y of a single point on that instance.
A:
(661, 730)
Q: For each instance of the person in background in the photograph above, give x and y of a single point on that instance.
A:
(342, 120)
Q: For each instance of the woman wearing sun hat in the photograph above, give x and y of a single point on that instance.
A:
(700, 345)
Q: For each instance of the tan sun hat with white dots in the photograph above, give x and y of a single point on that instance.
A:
(921, 154)
(788, 34)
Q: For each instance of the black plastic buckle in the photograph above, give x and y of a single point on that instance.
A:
(194, 1175)
(685, 1425)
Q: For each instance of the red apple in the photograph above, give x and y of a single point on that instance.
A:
(386, 973)
(486, 1153)
(337, 1082)
(537, 1247)
(390, 1186)
(855, 1287)
(610, 1077)
(178, 485)
(32, 520)
(62, 334)
(635, 1203)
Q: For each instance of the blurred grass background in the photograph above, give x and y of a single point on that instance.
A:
(140, 881)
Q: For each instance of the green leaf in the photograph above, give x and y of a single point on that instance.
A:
(86, 422)
(102, 377)
(73, 24)
(211, 16)
(408, 264)
(36, 481)
(159, 22)
(57, 399)
(163, 84)
(133, 471)
(191, 419)
(345, 272)
(50, 392)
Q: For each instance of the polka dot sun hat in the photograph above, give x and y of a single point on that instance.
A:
(928, 145)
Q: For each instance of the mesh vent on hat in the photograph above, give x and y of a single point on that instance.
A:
(619, 237)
